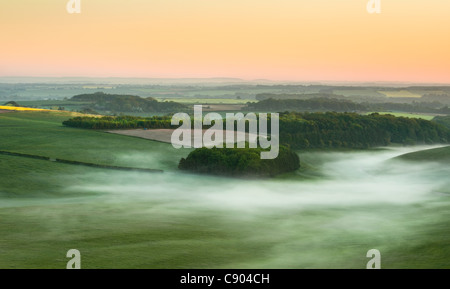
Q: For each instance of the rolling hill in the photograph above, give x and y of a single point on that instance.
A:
(435, 155)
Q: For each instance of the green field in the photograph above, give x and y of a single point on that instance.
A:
(326, 215)
(55, 104)
(42, 133)
(206, 100)
(404, 114)
(436, 155)
(400, 93)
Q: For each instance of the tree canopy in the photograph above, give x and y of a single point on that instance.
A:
(351, 130)
(127, 103)
(239, 162)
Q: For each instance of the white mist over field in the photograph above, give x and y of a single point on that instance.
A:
(361, 200)
(349, 203)
(348, 179)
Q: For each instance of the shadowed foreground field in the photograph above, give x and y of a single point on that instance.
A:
(325, 216)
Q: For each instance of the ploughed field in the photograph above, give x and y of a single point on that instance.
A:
(165, 135)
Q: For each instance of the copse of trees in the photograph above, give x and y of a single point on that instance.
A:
(127, 103)
(12, 103)
(244, 162)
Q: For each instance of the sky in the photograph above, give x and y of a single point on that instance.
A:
(283, 40)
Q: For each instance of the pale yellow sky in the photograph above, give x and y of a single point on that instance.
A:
(273, 39)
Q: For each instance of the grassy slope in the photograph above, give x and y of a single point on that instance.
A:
(67, 104)
(41, 133)
(109, 236)
(405, 114)
(40, 220)
(435, 155)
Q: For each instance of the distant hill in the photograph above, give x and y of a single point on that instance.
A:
(12, 103)
(434, 155)
(126, 103)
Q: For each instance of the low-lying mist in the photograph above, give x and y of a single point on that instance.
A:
(349, 179)
(363, 200)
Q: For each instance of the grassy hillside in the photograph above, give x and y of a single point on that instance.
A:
(41, 133)
(43, 213)
(435, 155)
(176, 220)
(444, 120)
(404, 114)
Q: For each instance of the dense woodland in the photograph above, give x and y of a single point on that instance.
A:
(239, 162)
(127, 103)
(351, 130)
(312, 130)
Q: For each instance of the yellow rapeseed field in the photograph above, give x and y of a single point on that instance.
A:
(22, 108)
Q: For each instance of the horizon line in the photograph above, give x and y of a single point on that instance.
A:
(233, 79)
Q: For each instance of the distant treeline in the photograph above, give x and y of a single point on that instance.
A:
(311, 104)
(418, 107)
(312, 130)
(443, 98)
(127, 103)
(326, 102)
(243, 162)
(264, 96)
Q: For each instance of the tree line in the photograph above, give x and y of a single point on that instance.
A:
(119, 122)
(311, 104)
(351, 130)
(311, 130)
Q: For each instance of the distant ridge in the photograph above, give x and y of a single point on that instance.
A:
(205, 81)
(120, 80)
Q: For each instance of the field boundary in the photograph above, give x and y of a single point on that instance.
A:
(79, 163)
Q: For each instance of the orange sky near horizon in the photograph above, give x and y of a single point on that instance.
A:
(286, 40)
